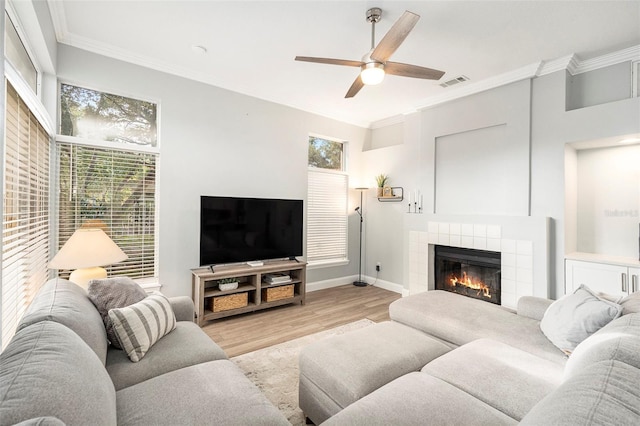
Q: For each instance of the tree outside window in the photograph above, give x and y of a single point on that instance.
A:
(90, 114)
(326, 154)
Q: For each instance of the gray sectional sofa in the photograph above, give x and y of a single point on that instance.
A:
(448, 359)
(60, 369)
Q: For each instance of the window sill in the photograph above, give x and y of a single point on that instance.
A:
(327, 263)
(149, 284)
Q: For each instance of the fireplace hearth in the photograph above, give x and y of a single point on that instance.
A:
(470, 272)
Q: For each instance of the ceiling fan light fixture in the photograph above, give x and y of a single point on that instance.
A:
(372, 73)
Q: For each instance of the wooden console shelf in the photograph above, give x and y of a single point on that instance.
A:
(250, 281)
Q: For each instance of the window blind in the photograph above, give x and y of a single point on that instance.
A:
(113, 190)
(327, 216)
(25, 224)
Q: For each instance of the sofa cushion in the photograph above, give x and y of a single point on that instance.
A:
(110, 293)
(574, 317)
(183, 308)
(214, 393)
(504, 377)
(605, 393)
(631, 303)
(139, 326)
(533, 307)
(66, 303)
(619, 340)
(459, 319)
(349, 366)
(47, 370)
(419, 399)
(185, 346)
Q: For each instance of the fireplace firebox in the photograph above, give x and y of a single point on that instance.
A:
(470, 272)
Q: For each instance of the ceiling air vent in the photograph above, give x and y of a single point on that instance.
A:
(454, 81)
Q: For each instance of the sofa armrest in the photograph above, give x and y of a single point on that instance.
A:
(183, 308)
(533, 307)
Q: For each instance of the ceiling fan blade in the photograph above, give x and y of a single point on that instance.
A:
(355, 87)
(394, 38)
(406, 70)
(330, 61)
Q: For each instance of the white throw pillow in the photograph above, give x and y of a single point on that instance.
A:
(137, 327)
(574, 317)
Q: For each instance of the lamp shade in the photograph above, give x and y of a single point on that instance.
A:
(87, 247)
(372, 73)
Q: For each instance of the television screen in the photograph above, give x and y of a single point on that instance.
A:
(247, 229)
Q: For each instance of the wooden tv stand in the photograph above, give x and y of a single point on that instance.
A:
(251, 282)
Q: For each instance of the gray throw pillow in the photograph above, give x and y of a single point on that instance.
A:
(631, 303)
(574, 317)
(112, 293)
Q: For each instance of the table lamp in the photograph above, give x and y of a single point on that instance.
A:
(87, 251)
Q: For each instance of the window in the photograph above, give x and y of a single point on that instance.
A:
(25, 224)
(325, 154)
(17, 55)
(113, 190)
(326, 202)
(107, 174)
(94, 115)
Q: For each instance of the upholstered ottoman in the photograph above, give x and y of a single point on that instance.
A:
(340, 370)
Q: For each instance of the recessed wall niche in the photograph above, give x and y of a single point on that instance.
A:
(607, 199)
(482, 171)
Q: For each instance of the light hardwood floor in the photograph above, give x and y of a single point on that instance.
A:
(324, 309)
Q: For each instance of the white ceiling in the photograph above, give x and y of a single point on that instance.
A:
(251, 44)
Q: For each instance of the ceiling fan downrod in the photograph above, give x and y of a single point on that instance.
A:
(373, 16)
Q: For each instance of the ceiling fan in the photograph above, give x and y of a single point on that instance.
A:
(375, 64)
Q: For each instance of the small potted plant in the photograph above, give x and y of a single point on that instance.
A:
(381, 181)
(227, 284)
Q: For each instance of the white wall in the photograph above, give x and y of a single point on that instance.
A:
(214, 142)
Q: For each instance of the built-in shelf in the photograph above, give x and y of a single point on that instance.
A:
(397, 195)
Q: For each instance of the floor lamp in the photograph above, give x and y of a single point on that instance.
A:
(360, 283)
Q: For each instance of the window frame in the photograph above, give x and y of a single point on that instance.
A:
(337, 261)
(149, 282)
(330, 139)
(17, 24)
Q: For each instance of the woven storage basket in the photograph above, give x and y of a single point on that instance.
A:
(277, 293)
(231, 301)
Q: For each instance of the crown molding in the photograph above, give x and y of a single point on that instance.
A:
(58, 18)
(569, 62)
(523, 73)
(629, 54)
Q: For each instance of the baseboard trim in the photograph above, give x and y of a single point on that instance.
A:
(337, 282)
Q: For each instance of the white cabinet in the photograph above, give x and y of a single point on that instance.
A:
(616, 279)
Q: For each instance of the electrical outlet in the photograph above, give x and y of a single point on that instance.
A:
(377, 266)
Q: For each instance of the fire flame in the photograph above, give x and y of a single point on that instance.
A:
(472, 284)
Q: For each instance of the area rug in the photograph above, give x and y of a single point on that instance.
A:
(275, 369)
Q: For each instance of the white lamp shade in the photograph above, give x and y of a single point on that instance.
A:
(372, 73)
(87, 247)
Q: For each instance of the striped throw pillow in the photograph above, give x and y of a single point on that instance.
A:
(137, 327)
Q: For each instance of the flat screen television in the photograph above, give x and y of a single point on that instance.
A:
(234, 230)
